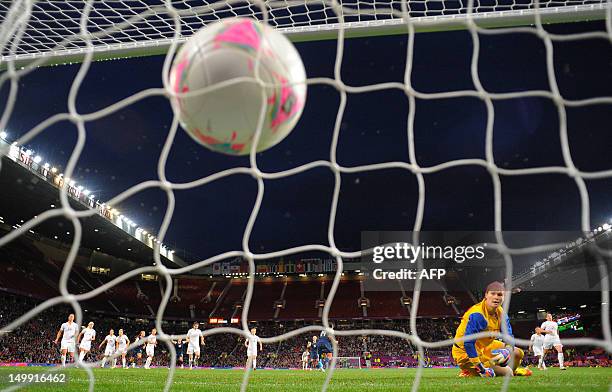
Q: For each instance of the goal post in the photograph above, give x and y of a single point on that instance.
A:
(126, 34)
(348, 363)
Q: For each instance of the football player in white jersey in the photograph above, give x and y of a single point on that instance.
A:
(251, 345)
(122, 344)
(68, 331)
(550, 330)
(537, 346)
(305, 356)
(194, 338)
(89, 335)
(151, 343)
(110, 341)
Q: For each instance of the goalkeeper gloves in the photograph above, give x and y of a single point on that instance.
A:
(483, 371)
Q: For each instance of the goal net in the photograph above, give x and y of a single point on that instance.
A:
(348, 363)
(49, 30)
(38, 33)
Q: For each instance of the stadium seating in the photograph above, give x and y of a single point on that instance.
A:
(264, 299)
(386, 304)
(345, 304)
(301, 297)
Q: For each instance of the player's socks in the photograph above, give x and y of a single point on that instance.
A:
(148, 363)
(103, 362)
(114, 362)
(63, 360)
(560, 358)
(190, 363)
(81, 356)
(123, 362)
(254, 364)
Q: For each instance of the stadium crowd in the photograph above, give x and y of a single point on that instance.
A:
(32, 342)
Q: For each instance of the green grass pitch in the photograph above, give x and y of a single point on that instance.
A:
(345, 380)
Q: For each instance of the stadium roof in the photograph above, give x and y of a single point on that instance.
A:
(25, 196)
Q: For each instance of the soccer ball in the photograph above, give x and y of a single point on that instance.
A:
(225, 119)
(501, 357)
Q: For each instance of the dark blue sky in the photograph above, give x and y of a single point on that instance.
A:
(123, 149)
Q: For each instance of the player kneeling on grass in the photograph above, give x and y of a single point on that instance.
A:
(150, 349)
(251, 345)
(486, 356)
(109, 350)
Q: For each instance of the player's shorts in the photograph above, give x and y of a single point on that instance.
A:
(150, 351)
(551, 340)
(251, 353)
(462, 359)
(537, 351)
(193, 349)
(314, 356)
(109, 350)
(85, 345)
(122, 350)
(69, 346)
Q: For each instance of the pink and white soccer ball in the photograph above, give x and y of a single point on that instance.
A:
(225, 119)
(501, 357)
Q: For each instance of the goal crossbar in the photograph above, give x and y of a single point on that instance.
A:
(135, 41)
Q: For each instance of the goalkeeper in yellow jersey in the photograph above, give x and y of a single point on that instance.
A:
(487, 356)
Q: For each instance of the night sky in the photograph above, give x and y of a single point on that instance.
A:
(122, 149)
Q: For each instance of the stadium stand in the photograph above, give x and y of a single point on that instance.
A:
(225, 350)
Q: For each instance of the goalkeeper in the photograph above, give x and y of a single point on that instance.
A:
(486, 356)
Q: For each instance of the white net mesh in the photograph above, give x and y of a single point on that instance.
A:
(32, 28)
(135, 27)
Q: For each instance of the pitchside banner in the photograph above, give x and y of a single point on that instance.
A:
(458, 261)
